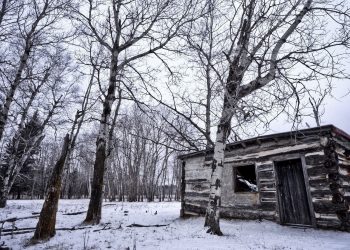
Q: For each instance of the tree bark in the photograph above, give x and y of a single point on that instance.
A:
(233, 93)
(45, 228)
(95, 206)
(223, 131)
(4, 111)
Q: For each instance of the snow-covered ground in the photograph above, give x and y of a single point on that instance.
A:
(178, 234)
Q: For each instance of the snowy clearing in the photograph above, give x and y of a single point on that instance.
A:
(178, 234)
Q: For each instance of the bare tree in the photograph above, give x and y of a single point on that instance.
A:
(36, 24)
(268, 43)
(316, 99)
(126, 26)
(47, 220)
(45, 228)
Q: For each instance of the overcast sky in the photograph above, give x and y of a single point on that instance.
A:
(336, 111)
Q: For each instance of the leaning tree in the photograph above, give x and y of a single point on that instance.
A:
(274, 45)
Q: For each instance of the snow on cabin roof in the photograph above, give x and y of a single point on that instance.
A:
(322, 130)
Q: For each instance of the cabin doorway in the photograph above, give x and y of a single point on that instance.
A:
(292, 196)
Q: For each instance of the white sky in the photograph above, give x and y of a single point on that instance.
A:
(336, 111)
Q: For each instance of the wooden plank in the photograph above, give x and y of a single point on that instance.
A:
(268, 200)
(293, 197)
(321, 193)
(197, 180)
(267, 186)
(247, 214)
(193, 208)
(329, 207)
(265, 167)
(268, 206)
(281, 150)
(314, 160)
(323, 223)
(319, 183)
(317, 153)
(317, 171)
(264, 164)
(197, 202)
(196, 194)
(266, 175)
(268, 194)
(202, 174)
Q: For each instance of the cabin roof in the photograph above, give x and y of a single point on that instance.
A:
(319, 131)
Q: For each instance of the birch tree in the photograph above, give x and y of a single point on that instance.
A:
(36, 23)
(269, 41)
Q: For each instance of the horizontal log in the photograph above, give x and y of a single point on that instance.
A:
(345, 173)
(197, 173)
(247, 214)
(277, 151)
(264, 164)
(317, 171)
(196, 194)
(314, 160)
(313, 154)
(207, 190)
(319, 183)
(30, 230)
(197, 180)
(319, 193)
(266, 175)
(140, 225)
(267, 187)
(265, 167)
(268, 194)
(328, 207)
(264, 181)
(203, 187)
(268, 199)
(327, 224)
(344, 161)
(197, 202)
(194, 208)
(268, 206)
(18, 218)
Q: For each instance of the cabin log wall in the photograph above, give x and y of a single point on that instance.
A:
(326, 163)
(341, 196)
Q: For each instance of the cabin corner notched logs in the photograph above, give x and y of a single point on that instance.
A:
(322, 181)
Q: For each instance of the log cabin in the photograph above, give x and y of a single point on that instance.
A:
(299, 178)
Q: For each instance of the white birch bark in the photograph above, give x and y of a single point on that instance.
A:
(233, 93)
(4, 111)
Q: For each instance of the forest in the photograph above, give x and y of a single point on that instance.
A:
(99, 98)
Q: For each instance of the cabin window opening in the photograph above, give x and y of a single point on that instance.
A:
(245, 179)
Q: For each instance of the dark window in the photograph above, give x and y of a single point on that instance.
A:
(245, 179)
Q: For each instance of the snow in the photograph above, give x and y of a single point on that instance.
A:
(179, 234)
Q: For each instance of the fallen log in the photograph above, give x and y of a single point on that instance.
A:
(30, 230)
(139, 225)
(17, 229)
(20, 232)
(20, 218)
(82, 212)
(75, 213)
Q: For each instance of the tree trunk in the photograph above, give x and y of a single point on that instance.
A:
(45, 228)
(4, 111)
(213, 214)
(94, 212)
(4, 192)
(13, 170)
